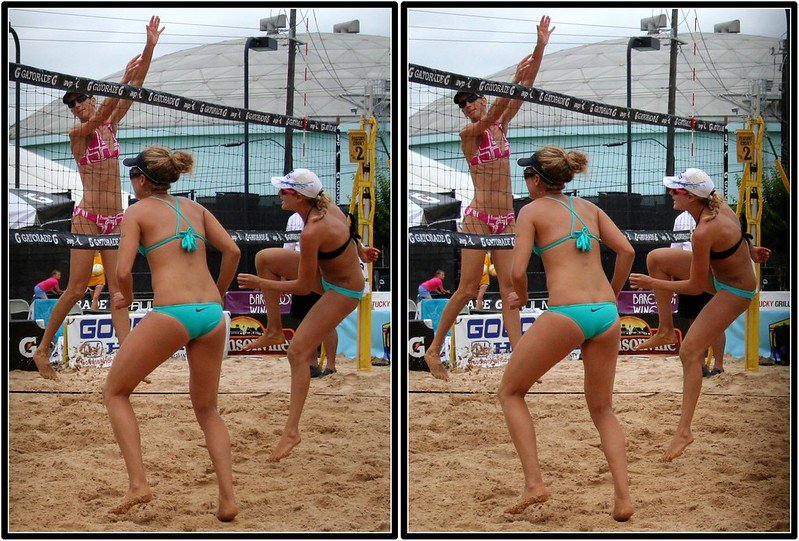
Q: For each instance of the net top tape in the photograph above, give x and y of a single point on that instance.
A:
(69, 83)
(431, 237)
(79, 241)
(463, 83)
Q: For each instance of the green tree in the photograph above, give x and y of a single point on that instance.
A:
(774, 223)
(382, 222)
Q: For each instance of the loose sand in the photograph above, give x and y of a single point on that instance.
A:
(464, 471)
(66, 471)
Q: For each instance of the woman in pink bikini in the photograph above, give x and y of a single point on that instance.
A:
(95, 148)
(485, 146)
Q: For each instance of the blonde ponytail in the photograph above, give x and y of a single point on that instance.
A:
(321, 203)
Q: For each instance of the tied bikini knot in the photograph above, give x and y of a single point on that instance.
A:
(188, 240)
(583, 240)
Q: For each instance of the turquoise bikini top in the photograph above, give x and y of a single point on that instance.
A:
(188, 238)
(582, 237)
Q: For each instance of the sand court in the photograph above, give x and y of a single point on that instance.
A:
(464, 471)
(66, 471)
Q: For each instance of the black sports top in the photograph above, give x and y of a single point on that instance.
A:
(332, 254)
(728, 252)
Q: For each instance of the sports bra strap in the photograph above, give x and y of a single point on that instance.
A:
(582, 238)
(188, 238)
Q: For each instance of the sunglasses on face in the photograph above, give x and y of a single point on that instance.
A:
(471, 99)
(529, 172)
(133, 173)
(286, 191)
(79, 99)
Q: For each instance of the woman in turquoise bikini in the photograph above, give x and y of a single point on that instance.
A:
(328, 264)
(172, 232)
(720, 263)
(565, 232)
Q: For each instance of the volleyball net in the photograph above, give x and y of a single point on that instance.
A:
(632, 195)
(242, 198)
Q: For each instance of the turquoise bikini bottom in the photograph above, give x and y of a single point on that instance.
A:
(197, 318)
(749, 295)
(593, 318)
(344, 291)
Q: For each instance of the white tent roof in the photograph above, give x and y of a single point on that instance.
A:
(330, 81)
(43, 175)
(726, 66)
(431, 176)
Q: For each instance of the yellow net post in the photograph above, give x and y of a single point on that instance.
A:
(363, 152)
(750, 202)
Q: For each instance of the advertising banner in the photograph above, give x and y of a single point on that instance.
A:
(90, 340)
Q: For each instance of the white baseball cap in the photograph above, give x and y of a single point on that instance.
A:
(693, 180)
(303, 181)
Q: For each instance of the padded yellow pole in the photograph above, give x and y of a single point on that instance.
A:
(363, 152)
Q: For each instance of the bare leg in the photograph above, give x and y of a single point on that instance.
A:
(503, 263)
(331, 345)
(599, 360)
(96, 292)
(548, 341)
(80, 268)
(665, 264)
(718, 352)
(155, 339)
(119, 316)
(716, 316)
(471, 270)
(481, 291)
(274, 264)
(323, 318)
(205, 365)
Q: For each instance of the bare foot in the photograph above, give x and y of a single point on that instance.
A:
(131, 500)
(529, 498)
(284, 446)
(227, 511)
(42, 359)
(660, 339)
(622, 510)
(269, 338)
(677, 446)
(437, 370)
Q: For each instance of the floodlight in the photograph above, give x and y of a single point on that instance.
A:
(730, 27)
(273, 24)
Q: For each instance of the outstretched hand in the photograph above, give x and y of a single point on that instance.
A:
(370, 254)
(640, 281)
(760, 254)
(543, 30)
(131, 68)
(249, 281)
(153, 33)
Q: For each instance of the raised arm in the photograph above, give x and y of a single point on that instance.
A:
(527, 70)
(136, 77)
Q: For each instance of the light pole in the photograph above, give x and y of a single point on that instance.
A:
(16, 113)
(639, 43)
(256, 44)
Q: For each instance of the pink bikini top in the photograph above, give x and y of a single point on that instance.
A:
(489, 150)
(98, 150)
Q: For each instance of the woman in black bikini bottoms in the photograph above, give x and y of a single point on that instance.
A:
(486, 148)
